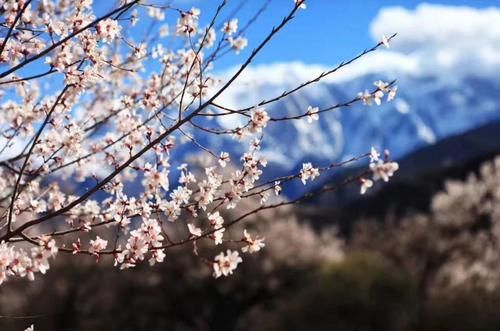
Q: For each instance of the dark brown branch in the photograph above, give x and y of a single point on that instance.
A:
(314, 80)
(25, 163)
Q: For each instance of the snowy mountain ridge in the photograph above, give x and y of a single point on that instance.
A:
(446, 74)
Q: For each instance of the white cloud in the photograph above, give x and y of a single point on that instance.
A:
(441, 38)
(253, 81)
(438, 26)
(436, 40)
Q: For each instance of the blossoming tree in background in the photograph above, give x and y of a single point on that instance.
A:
(88, 113)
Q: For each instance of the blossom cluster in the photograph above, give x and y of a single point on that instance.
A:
(22, 263)
(382, 87)
(380, 169)
(94, 136)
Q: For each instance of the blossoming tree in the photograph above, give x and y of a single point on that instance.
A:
(83, 102)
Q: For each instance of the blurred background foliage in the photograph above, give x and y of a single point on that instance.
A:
(430, 269)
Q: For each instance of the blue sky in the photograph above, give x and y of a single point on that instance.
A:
(326, 33)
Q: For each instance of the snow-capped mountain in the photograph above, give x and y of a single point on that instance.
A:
(447, 85)
(426, 110)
